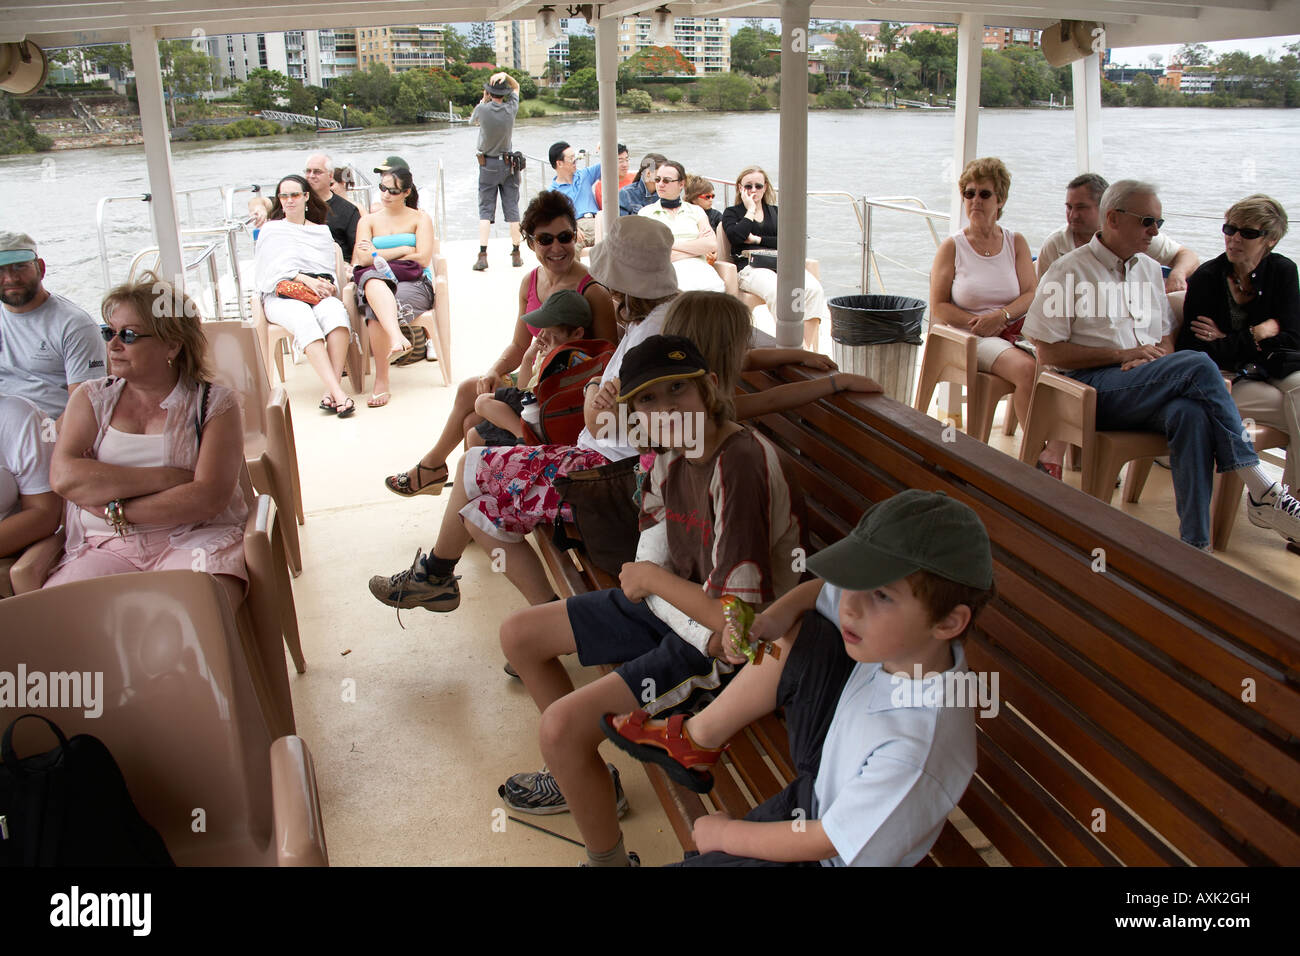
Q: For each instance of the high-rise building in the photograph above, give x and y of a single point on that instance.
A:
(518, 48)
(704, 41)
(401, 48)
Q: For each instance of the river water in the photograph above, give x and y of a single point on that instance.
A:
(1202, 160)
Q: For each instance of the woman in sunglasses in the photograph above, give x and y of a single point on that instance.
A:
(983, 281)
(402, 234)
(693, 239)
(1243, 309)
(750, 225)
(296, 255)
(148, 459)
(550, 227)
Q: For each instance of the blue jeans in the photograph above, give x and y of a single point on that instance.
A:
(1183, 396)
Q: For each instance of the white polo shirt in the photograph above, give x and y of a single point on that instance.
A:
(24, 454)
(1091, 297)
(894, 763)
(1162, 248)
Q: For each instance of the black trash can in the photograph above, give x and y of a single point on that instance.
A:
(878, 336)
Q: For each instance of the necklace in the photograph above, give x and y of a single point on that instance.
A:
(1241, 288)
(979, 250)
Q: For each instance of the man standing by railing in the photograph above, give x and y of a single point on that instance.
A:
(495, 118)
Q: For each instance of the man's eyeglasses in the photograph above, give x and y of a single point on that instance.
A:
(286, 196)
(128, 336)
(1147, 221)
(750, 187)
(982, 193)
(315, 172)
(660, 179)
(391, 190)
(545, 238)
(1230, 230)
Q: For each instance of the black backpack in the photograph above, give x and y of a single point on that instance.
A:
(69, 807)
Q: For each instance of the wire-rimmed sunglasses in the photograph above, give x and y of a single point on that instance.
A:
(128, 336)
(1147, 221)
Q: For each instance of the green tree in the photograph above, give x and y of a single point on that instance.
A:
(937, 54)
(758, 101)
(901, 69)
(638, 101)
(1193, 54)
(582, 86)
(301, 99)
(1031, 76)
(482, 43)
(836, 100)
(659, 61)
(263, 89)
(890, 35)
(454, 46)
(725, 91)
(997, 80)
(582, 52)
(750, 46)
(770, 66)
(186, 71)
(1143, 91)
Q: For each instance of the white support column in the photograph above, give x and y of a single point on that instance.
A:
(966, 121)
(793, 156)
(1087, 113)
(157, 153)
(607, 78)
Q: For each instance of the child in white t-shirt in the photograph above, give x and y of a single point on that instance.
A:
(881, 755)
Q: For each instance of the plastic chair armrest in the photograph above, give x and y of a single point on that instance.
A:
(295, 801)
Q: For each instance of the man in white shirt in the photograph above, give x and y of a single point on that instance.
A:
(1083, 220)
(48, 345)
(1101, 316)
(29, 508)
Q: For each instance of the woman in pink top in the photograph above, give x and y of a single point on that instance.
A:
(149, 458)
(550, 227)
(983, 281)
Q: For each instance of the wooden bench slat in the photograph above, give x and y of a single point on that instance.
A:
(687, 807)
(770, 731)
(1012, 838)
(749, 763)
(726, 793)
(952, 849)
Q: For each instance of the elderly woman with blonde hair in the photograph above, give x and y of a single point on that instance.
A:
(983, 281)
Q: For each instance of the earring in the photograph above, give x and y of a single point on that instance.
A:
(169, 363)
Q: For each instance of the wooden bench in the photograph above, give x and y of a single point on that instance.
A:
(1149, 695)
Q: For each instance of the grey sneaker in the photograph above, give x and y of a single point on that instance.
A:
(1278, 511)
(416, 588)
(538, 793)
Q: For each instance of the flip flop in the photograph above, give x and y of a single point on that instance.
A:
(397, 355)
(401, 484)
(374, 400)
(347, 408)
(328, 405)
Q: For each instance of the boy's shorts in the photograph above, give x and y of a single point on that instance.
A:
(810, 688)
(494, 434)
(664, 673)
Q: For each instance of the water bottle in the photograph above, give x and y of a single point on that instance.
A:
(382, 266)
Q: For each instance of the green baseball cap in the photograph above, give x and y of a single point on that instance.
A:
(391, 163)
(562, 307)
(912, 531)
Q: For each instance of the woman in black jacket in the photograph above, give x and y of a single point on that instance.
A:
(751, 224)
(1243, 309)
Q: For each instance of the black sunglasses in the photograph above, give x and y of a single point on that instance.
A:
(128, 336)
(391, 190)
(1147, 221)
(545, 238)
(1230, 230)
(983, 193)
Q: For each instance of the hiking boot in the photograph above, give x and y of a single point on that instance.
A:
(482, 262)
(516, 259)
(1278, 511)
(632, 860)
(415, 587)
(538, 793)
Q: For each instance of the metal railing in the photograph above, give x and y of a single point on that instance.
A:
(206, 257)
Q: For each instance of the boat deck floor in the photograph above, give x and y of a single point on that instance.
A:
(412, 730)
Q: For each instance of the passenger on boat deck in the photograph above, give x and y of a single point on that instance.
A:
(751, 224)
(495, 118)
(577, 185)
(295, 253)
(402, 234)
(29, 508)
(551, 231)
(699, 191)
(48, 345)
(344, 181)
(693, 240)
(149, 459)
(501, 494)
(1243, 310)
(343, 214)
(626, 177)
(1083, 221)
(641, 191)
(982, 281)
(1102, 316)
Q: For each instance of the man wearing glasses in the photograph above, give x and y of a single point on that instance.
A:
(495, 118)
(576, 184)
(344, 215)
(1083, 220)
(48, 345)
(1101, 316)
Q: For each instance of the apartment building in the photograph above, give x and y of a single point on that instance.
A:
(999, 38)
(401, 48)
(704, 41)
(517, 47)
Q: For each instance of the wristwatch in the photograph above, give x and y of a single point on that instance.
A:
(1006, 318)
(115, 516)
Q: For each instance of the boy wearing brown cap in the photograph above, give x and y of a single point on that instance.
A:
(880, 765)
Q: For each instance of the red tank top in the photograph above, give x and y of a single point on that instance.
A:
(533, 303)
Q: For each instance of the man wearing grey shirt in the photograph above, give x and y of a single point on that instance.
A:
(495, 118)
(48, 345)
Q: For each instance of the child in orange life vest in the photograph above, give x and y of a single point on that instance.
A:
(714, 524)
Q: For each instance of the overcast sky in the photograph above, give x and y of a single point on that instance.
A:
(1137, 55)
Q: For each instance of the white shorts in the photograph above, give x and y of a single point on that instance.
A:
(762, 283)
(307, 323)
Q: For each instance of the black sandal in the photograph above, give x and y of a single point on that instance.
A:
(346, 409)
(401, 484)
(328, 405)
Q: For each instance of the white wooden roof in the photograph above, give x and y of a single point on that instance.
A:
(52, 23)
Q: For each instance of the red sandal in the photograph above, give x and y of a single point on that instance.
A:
(666, 743)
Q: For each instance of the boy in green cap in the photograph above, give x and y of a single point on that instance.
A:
(880, 760)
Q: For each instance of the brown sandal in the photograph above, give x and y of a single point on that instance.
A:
(401, 484)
